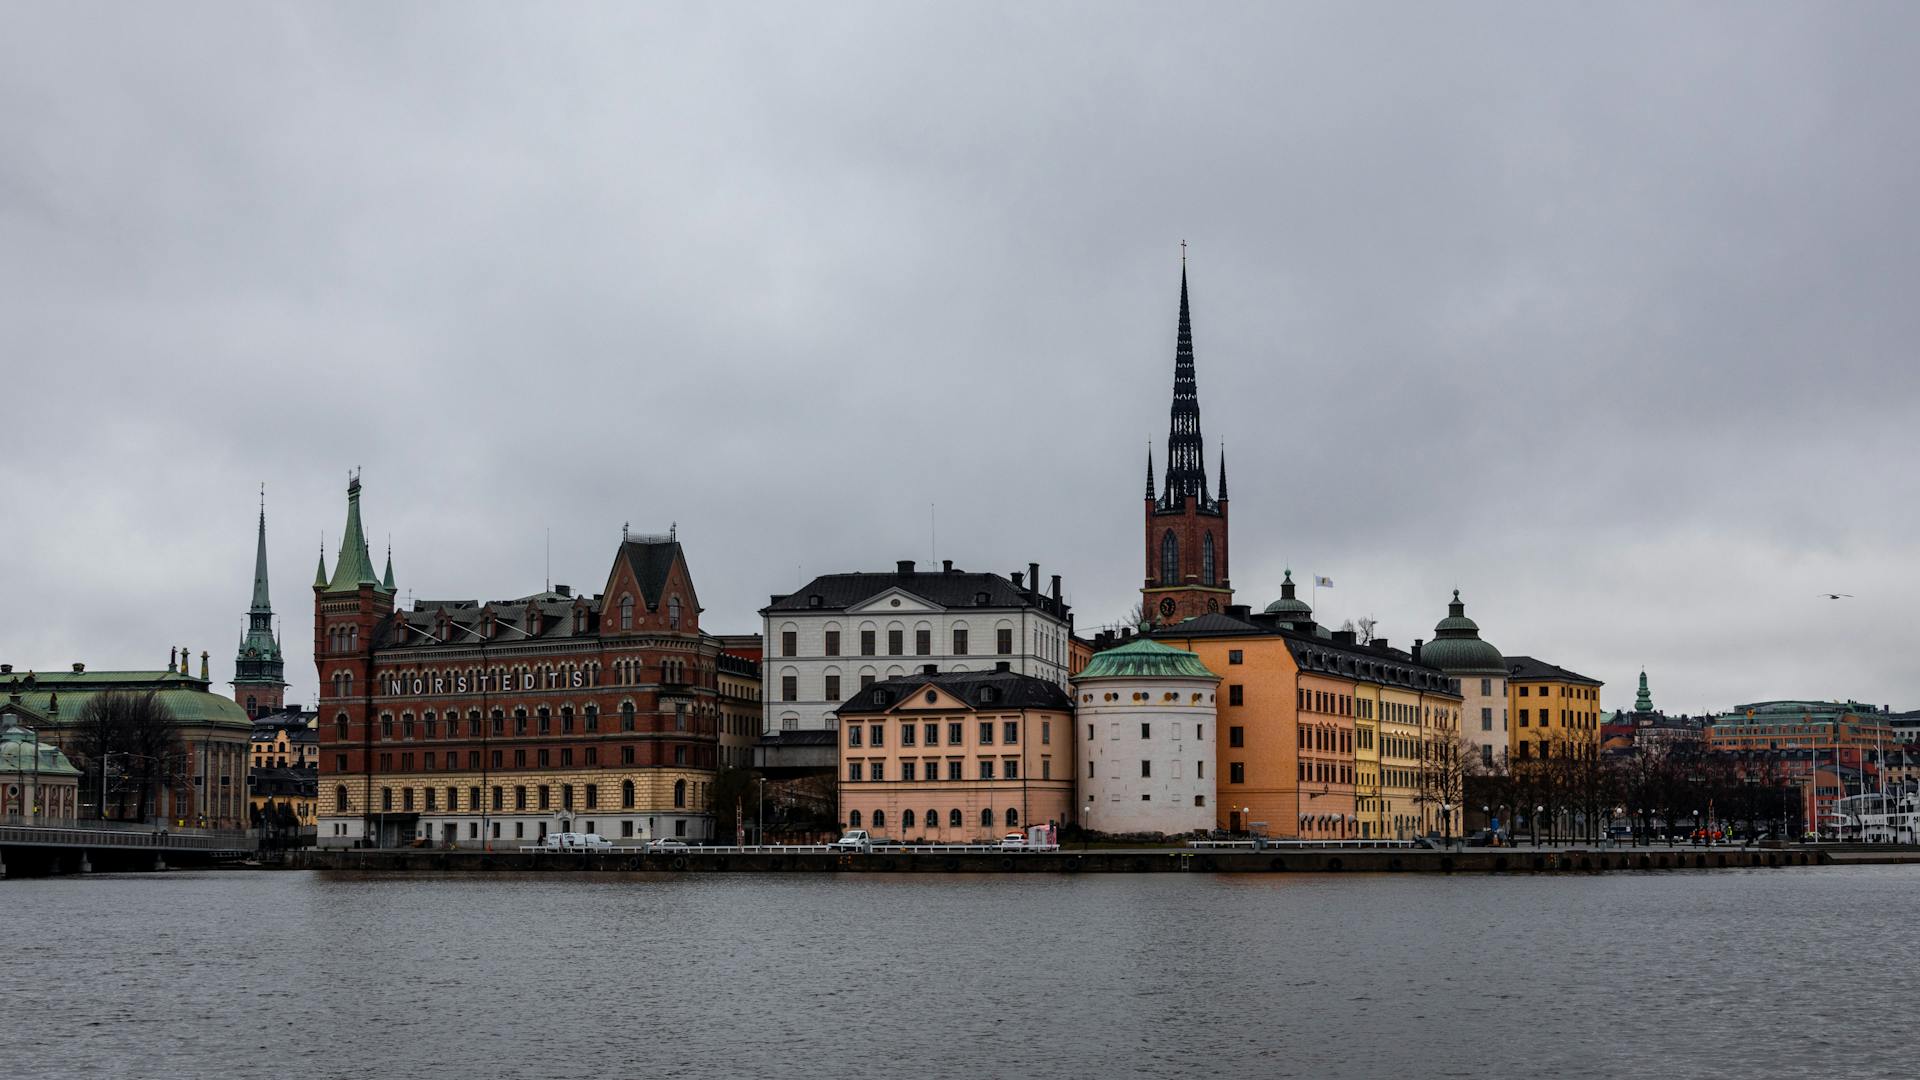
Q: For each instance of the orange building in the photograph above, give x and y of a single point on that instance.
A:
(1294, 700)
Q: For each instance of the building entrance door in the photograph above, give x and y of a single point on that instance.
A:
(1233, 822)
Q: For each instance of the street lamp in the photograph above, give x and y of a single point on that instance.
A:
(1537, 811)
(1446, 822)
(760, 831)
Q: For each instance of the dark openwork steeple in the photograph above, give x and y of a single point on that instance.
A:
(1186, 468)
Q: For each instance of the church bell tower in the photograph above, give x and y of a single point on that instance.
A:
(1186, 526)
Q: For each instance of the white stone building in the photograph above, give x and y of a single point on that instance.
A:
(1145, 717)
(841, 632)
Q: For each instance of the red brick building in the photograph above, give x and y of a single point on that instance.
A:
(496, 722)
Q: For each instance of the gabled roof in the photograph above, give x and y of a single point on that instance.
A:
(1526, 667)
(1315, 650)
(651, 562)
(1010, 690)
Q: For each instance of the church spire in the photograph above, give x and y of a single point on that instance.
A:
(1644, 702)
(1186, 474)
(1149, 470)
(1223, 472)
(262, 600)
(386, 580)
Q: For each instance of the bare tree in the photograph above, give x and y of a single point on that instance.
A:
(98, 735)
(158, 756)
(1447, 760)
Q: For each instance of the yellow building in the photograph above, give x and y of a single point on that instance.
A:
(1297, 704)
(1550, 707)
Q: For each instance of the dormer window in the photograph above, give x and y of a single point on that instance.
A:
(814, 600)
(988, 695)
(980, 599)
(673, 613)
(626, 613)
(879, 697)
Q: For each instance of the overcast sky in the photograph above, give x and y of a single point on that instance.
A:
(1605, 317)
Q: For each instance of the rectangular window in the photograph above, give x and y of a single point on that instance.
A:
(1010, 733)
(959, 641)
(955, 733)
(546, 797)
(922, 642)
(854, 734)
(896, 642)
(498, 796)
(1523, 691)
(789, 643)
(986, 770)
(878, 769)
(1046, 733)
(626, 755)
(543, 757)
(1235, 696)
(520, 796)
(833, 643)
(866, 643)
(986, 733)
(566, 796)
(789, 688)
(1523, 718)
(566, 757)
(933, 735)
(1089, 770)
(853, 770)
(876, 735)
(953, 770)
(906, 770)
(1003, 639)
(406, 798)
(833, 688)
(1486, 719)
(866, 681)
(1010, 769)
(909, 734)
(1146, 730)
(1236, 737)
(1235, 656)
(1236, 773)
(593, 796)
(1146, 769)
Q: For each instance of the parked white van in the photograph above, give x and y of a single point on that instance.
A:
(574, 841)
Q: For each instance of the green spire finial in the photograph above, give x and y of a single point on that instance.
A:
(1644, 702)
(386, 580)
(355, 567)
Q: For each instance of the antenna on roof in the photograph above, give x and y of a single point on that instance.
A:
(933, 534)
(673, 532)
(549, 558)
(624, 526)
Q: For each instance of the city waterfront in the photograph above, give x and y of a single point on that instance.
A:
(235, 973)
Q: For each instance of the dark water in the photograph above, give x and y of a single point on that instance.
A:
(1765, 973)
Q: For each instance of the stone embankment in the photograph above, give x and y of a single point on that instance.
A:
(1098, 861)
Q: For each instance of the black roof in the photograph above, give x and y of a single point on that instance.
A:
(1526, 667)
(1314, 652)
(946, 588)
(805, 737)
(651, 561)
(1009, 690)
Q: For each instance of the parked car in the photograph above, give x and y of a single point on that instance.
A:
(666, 843)
(854, 840)
(1014, 841)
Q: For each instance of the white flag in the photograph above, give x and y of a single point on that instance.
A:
(1323, 582)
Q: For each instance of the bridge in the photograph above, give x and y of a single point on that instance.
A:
(116, 845)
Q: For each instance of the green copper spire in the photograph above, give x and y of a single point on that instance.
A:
(1644, 702)
(386, 580)
(355, 567)
(262, 601)
(320, 572)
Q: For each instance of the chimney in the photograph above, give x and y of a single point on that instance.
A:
(1056, 588)
(79, 669)
(946, 566)
(905, 566)
(1378, 643)
(1343, 637)
(1033, 576)
(1015, 575)
(6, 669)
(1242, 612)
(563, 590)
(1417, 642)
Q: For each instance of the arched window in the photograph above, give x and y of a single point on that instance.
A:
(853, 819)
(626, 613)
(954, 820)
(906, 819)
(253, 707)
(1169, 559)
(626, 794)
(932, 819)
(673, 613)
(340, 727)
(1013, 818)
(1206, 561)
(340, 798)
(626, 716)
(879, 819)
(986, 817)
(679, 794)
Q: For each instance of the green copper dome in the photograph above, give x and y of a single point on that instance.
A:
(1456, 647)
(1289, 606)
(1145, 658)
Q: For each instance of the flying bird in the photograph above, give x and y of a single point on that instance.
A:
(1837, 595)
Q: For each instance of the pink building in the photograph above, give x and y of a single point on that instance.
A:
(959, 757)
